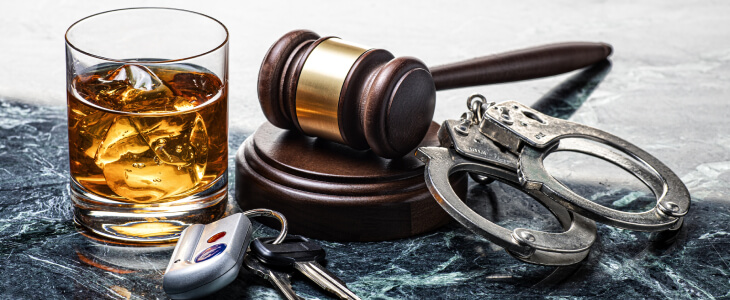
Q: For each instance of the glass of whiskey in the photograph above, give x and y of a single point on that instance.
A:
(147, 122)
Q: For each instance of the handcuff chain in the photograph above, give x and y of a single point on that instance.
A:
(474, 106)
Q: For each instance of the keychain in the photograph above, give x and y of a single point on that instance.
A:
(208, 257)
(509, 142)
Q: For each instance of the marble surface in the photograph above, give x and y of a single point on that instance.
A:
(665, 90)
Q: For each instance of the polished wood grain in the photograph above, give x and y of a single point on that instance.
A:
(363, 70)
(330, 191)
(387, 103)
(399, 107)
(272, 72)
(523, 64)
(347, 193)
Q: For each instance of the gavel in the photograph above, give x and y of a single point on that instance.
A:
(367, 98)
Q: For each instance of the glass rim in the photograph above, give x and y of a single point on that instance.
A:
(69, 44)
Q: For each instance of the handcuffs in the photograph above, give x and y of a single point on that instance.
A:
(508, 142)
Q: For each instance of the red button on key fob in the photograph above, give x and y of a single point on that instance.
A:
(216, 236)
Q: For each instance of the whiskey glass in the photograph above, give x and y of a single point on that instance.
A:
(147, 122)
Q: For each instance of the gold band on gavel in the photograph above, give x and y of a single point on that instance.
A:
(320, 84)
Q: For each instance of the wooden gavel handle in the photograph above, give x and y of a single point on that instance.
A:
(518, 65)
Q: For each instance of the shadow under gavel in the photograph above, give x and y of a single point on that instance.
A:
(564, 99)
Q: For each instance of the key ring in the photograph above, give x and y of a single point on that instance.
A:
(263, 212)
(533, 136)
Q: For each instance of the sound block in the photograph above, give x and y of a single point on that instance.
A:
(332, 192)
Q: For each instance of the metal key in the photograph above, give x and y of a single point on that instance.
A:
(304, 255)
(280, 280)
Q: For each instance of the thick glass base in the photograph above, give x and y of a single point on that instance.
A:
(147, 223)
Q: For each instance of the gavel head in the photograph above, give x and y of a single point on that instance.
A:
(333, 89)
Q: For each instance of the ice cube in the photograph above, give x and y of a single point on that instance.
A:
(147, 159)
(91, 126)
(131, 88)
(196, 87)
(177, 140)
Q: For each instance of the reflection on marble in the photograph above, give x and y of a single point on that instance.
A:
(43, 255)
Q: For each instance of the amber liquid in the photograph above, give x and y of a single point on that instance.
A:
(147, 134)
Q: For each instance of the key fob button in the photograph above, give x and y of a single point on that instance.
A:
(216, 236)
(210, 252)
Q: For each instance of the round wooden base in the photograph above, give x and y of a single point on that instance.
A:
(329, 191)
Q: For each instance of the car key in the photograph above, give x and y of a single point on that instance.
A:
(207, 257)
(280, 280)
(304, 255)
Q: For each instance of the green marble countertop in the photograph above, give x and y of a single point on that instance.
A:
(666, 90)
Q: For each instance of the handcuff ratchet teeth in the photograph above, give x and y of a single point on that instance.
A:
(509, 142)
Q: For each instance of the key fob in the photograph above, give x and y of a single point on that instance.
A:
(207, 257)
